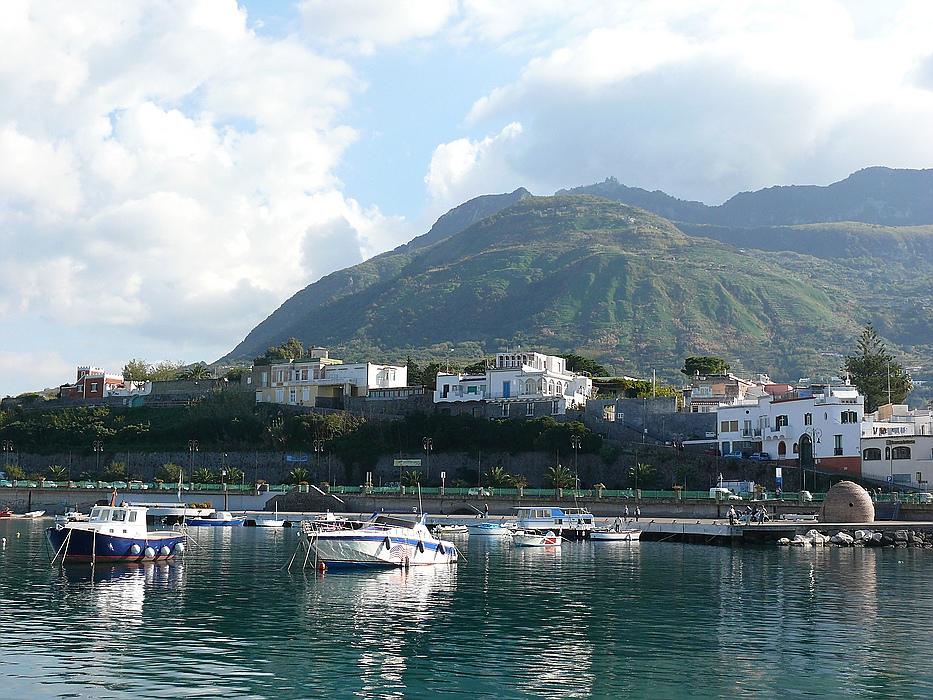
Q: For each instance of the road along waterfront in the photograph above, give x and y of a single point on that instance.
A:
(589, 620)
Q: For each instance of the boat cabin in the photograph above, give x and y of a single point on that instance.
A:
(118, 519)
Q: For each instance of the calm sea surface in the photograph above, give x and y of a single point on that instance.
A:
(589, 620)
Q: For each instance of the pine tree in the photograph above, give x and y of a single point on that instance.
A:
(878, 377)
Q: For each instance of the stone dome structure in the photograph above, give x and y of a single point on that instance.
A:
(847, 502)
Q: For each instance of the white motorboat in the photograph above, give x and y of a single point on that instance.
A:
(533, 539)
(34, 514)
(449, 529)
(383, 540)
(570, 523)
(71, 516)
(488, 529)
(613, 535)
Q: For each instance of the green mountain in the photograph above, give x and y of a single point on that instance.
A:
(578, 273)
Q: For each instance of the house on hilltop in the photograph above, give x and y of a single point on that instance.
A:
(518, 385)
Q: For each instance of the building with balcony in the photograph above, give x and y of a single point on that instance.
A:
(897, 447)
(518, 385)
(816, 427)
(319, 380)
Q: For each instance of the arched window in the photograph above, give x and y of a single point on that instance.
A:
(795, 448)
(872, 454)
(782, 449)
(900, 452)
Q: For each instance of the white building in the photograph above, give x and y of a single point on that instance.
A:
(519, 384)
(897, 447)
(817, 427)
(305, 381)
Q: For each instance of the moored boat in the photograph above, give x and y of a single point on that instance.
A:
(114, 533)
(221, 518)
(488, 529)
(383, 540)
(449, 529)
(621, 535)
(34, 514)
(570, 523)
(533, 539)
(274, 521)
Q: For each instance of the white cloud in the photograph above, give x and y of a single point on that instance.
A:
(367, 24)
(464, 166)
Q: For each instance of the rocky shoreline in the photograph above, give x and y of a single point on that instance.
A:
(863, 537)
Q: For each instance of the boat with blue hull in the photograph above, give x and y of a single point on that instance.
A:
(570, 523)
(382, 541)
(220, 518)
(114, 534)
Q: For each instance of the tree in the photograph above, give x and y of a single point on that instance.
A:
(584, 365)
(205, 476)
(56, 472)
(298, 475)
(642, 475)
(497, 477)
(169, 472)
(412, 478)
(704, 366)
(199, 370)
(165, 371)
(559, 477)
(878, 377)
(415, 373)
(136, 371)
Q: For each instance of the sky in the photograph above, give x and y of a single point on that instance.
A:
(171, 171)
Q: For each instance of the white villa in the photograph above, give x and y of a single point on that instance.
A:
(897, 447)
(519, 384)
(305, 381)
(819, 426)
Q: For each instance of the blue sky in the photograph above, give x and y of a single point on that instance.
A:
(171, 171)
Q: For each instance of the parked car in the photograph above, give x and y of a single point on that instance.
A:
(760, 457)
(723, 494)
(925, 497)
(738, 454)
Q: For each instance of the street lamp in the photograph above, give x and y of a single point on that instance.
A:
(575, 443)
(815, 435)
(7, 448)
(428, 444)
(318, 448)
(192, 448)
(98, 447)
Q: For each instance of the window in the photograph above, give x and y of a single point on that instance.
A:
(555, 407)
(848, 417)
(872, 454)
(747, 428)
(808, 419)
(529, 409)
(733, 426)
(780, 422)
(505, 410)
(837, 445)
(724, 426)
(900, 452)
(782, 449)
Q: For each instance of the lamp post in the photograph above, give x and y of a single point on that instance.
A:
(7, 448)
(192, 448)
(815, 439)
(318, 448)
(98, 447)
(428, 445)
(575, 443)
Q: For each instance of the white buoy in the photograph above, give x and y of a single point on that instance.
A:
(149, 553)
(165, 551)
(180, 548)
(135, 549)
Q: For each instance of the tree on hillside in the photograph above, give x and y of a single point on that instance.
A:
(136, 371)
(415, 373)
(559, 477)
(198, 370)
(584, 365)
(704, 366)
(878, 377)
(165, 371)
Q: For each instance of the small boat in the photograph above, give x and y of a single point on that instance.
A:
(6, 513)
(449, 529)
(532, 539)
(274, 521)
(487, 529)
(34, 514)
(382, 541)
(621, 535)
(221, 518)
(72, 516)
(114, 533)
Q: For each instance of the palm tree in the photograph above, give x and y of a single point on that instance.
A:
(56, 473)
(642, 475)
(298, 475)
(559, 477)
(412, 478)
(205, 476)
(498, 477)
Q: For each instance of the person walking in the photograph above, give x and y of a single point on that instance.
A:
(732, 515)
(637, 513)
(625, 513)
(485, 510)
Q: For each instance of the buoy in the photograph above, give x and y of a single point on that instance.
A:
(3, 541)
(387, 542)
(322, 567)
(421, 546)
(180, 548)
(135, 549)
(165, 551)
(17, 535)
(441, 548)
(148, 552)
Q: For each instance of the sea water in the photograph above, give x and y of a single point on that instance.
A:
(586, 620)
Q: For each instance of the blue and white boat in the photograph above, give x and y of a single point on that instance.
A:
(569, 523)
(114, 533)
(488, 529)
(382, 541)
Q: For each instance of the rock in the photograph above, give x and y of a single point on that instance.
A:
(842, 538)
